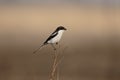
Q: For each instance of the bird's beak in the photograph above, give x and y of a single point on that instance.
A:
(65, 29)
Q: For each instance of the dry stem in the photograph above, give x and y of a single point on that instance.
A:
(56, 62)
(52, 76)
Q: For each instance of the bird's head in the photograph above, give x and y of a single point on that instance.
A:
(61, 28)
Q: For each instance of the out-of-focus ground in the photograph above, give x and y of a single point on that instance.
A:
(92, 41)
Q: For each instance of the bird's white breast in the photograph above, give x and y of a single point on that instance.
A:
(57, 37)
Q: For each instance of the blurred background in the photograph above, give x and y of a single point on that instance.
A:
(92, 39)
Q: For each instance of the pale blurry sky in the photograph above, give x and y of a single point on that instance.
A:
(90, 2)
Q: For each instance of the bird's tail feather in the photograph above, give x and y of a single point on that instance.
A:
(38, 48)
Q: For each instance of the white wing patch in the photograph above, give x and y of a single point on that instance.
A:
(54, 33)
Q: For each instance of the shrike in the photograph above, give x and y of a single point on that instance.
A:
(54, 38)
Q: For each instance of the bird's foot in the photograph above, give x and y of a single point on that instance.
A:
(55, 49)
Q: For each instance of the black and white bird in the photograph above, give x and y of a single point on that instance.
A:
(54, 38)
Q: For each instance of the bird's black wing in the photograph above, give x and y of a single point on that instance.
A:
(51, 36)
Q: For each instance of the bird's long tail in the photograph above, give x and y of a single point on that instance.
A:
(38, 48)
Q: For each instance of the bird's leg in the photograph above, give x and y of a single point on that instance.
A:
(56, 43)
(53, 46)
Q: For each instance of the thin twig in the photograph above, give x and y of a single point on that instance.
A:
(52, 76)
(56, 62)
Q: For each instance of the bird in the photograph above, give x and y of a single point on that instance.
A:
(54, 38)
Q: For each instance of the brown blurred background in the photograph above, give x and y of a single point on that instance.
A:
(92, 41)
